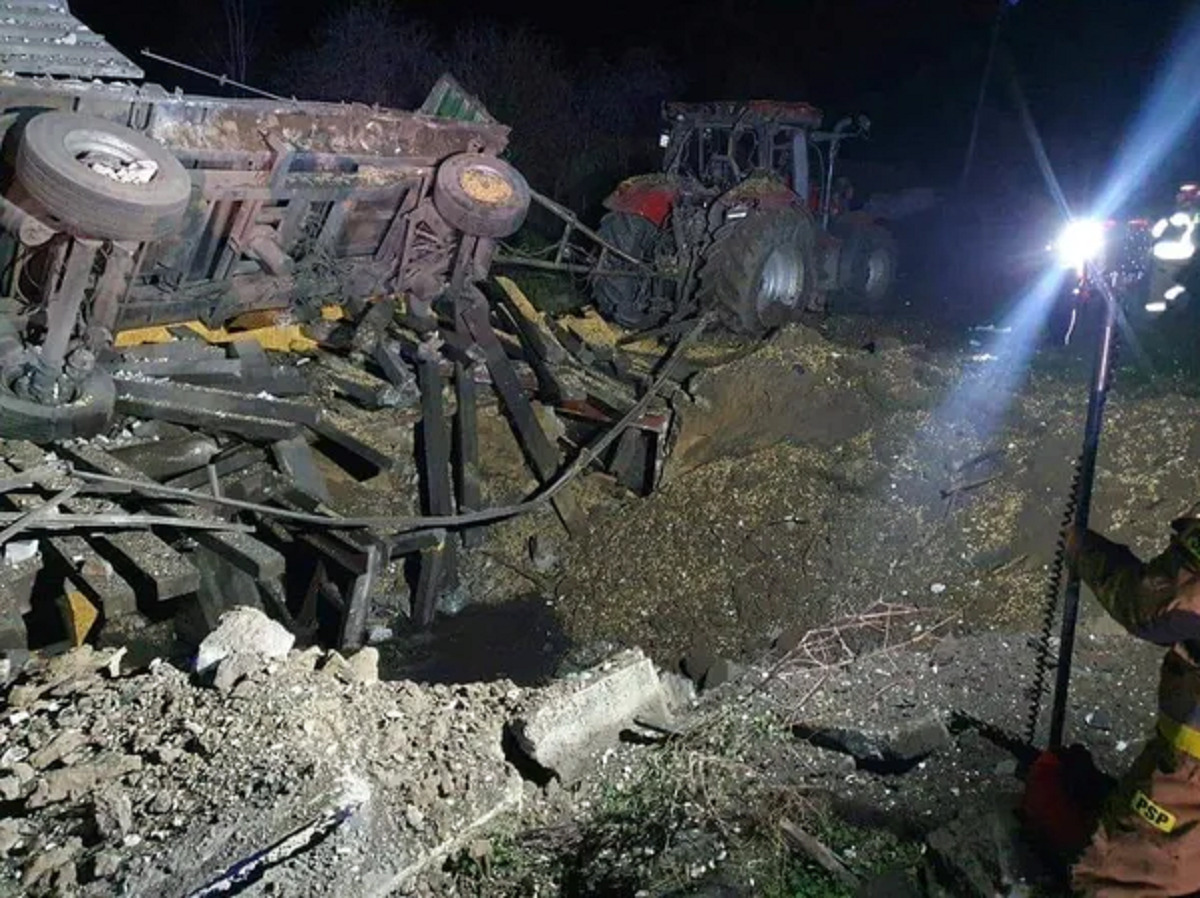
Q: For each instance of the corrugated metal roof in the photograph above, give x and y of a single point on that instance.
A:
(41, 37)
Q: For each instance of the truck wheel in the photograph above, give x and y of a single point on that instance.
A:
(481, 195)
(866, 270)
(629, 301)
(758, 271)
(101, 180)
(86, 415)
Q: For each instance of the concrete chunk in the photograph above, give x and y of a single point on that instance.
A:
(577, 718)
(244, 631)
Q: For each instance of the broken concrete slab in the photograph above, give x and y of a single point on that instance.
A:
(113, 812)
(578, 717)
(54, 861)
(244, 631)
(900, 743)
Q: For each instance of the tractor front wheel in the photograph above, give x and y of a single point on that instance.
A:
(758, 271)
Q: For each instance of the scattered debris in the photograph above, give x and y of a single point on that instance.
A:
(902, 744)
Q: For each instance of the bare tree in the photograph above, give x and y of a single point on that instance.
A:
(365, 52)
(522, 79)
(241, 22)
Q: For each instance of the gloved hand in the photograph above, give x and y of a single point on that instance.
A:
(1064, 795)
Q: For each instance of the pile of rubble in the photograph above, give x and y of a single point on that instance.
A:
(298, 769)
(145, 784)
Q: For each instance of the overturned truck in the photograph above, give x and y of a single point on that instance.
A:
(125, 205)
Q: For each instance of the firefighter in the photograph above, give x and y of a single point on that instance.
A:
(1147, 842)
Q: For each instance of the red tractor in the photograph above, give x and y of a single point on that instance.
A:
(745, 219)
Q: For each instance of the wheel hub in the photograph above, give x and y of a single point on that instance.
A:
(485, 186)
(781, 280)
(108, 155)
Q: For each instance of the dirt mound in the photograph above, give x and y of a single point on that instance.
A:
(810, 479)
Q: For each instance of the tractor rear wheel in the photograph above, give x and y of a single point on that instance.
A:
(628, 300)
(758, 271)
(866, 270)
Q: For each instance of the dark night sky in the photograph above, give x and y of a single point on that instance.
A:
(912, 65)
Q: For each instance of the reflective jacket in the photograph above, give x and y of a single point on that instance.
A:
(1158, 601)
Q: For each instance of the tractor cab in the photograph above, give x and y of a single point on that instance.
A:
(722, 144)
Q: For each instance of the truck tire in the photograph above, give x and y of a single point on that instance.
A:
(85, 416)
(866, 270)
(759, 270)
(629, 301)
(87, 203)
(481, 195)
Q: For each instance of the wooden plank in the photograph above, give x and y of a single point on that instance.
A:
(231, 252)
(435, 443)
(250, 427)
(541, 452)
(335, 223)
(429, 578)
(327, 429)
(205, 399)
(233, 460)
(212, 236)
(241, 550)
(152, 567)
(295, 458)
(358, 605)
(466, 451)
(83, 565)
(293, 219)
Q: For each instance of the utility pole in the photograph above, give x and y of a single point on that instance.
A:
(994, 42)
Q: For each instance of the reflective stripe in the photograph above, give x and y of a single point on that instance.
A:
(1154, 814)
(1174, 250)
(1181, 736)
